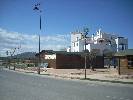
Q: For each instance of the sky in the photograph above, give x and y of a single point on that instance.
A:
(19, 23)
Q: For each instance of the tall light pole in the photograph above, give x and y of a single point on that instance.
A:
(86, 30)
(36, 8)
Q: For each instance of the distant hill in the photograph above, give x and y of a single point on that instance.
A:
(25, 55)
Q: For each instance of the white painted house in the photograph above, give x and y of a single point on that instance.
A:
(100, 41)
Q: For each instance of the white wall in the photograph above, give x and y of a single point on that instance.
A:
(81, 45)
(49, 56)
(110, 42)
(100, 47)
(69, 49)
(75, 37)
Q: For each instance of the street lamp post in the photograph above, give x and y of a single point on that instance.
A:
(86, 30)
(36, 7)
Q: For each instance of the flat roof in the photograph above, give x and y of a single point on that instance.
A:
(124, 52)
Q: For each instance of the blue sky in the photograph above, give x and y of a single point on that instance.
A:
(60, 17)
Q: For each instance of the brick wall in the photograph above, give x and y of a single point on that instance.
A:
(124, 69)
(72, 61)
(76, 61)
(68, 61)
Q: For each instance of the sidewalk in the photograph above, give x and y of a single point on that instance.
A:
(107, 75)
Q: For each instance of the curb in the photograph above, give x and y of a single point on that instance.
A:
(111, 81)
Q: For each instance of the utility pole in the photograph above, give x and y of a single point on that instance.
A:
(36, 8)
(86, 30)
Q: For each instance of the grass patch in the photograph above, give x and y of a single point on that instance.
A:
(106, 81)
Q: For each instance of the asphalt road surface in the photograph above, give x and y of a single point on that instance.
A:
(20, 86)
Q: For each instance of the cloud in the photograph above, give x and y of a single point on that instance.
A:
(29, 42)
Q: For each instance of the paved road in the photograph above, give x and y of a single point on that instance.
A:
(19, 86)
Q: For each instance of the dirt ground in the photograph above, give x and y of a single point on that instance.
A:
(100, 74)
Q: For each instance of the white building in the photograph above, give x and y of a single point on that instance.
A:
(100, 41)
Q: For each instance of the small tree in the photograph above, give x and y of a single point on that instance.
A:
(109, 55)
(92, 58)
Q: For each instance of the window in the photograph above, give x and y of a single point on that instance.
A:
(77, 44)
(74, 44)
